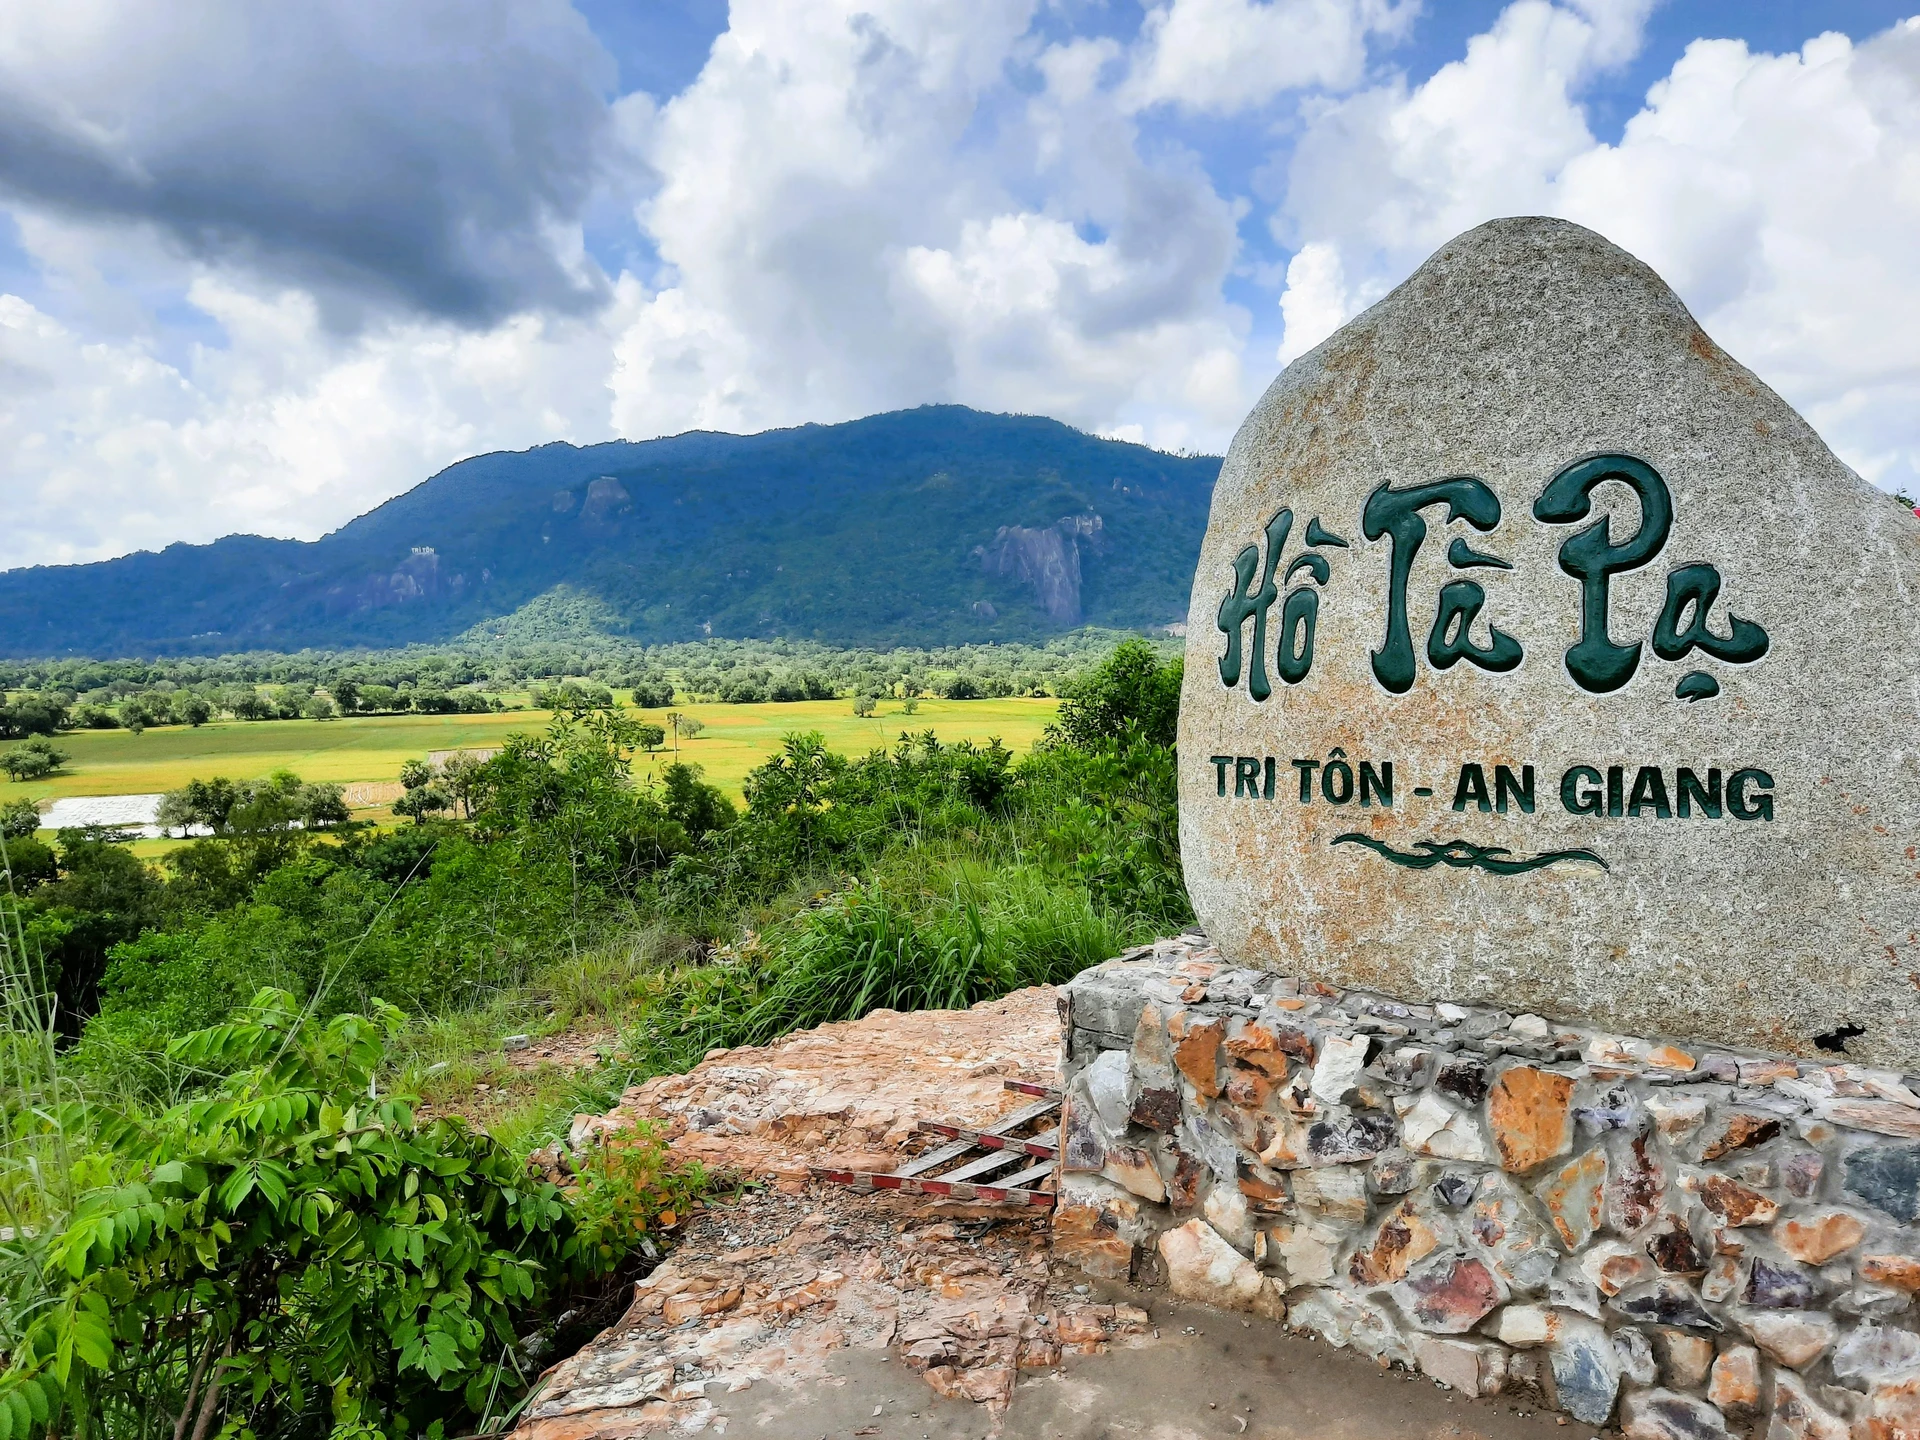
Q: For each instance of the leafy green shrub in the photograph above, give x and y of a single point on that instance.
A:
(303, 1257)
(1131, 693)
(25, 861)
(18, 819)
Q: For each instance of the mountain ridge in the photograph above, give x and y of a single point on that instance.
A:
(929, 526)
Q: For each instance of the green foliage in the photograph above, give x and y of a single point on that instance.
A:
(32, 760)
(653, 693)
(280, 802)
(31, 714)
(887, 943)
(572, 695)
(31, 864)
(697, 807)
(294, 1249)
(920, 875)
(1130, 694)
(18, 819)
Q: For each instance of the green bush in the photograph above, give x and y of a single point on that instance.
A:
(1130, 694)
(18, 819)
(298, 1255)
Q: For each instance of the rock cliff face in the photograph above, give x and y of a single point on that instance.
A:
(1046, 560)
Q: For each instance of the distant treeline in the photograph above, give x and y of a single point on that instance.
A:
(40, 697)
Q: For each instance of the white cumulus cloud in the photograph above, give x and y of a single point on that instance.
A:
(1779, 194)
(1220, 56)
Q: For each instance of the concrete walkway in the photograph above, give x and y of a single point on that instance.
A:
(1209, 1375)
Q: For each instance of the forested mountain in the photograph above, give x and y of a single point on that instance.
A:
(931, 526)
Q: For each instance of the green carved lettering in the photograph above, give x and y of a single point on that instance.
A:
(1472, 785)
(1692, 793)
(1505, 787)
(1649, 793)
(1246, 777)
(1376, 783)
(1760, 806)
(1595, 662)
(1396, 514)
(1575, 800)
(1691, 591)
(1306, 769)
(1244, 601)
(1450, 640)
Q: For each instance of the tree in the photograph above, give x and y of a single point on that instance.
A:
(31, 714)
(247, 703)
(287, 702)
(346, 694)
(1130, 693)
(423, 795)
(697, 806)
(27, 863)
(651, 736)
(653, 693)
(204, 803)
(379, 699)
(459, 777)
(194, 710)
(691, 725)
(18, 819)
(865, 704)
(321, 805)
(960, 687)
(317, 707)
(32, 760)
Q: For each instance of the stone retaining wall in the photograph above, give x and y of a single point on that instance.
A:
(1690, 1242)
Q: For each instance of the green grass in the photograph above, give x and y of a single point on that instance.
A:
(372, 748)
(739, 737)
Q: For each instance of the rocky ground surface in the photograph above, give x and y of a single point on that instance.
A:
(808, 1310)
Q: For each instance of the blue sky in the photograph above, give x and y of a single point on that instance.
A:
(263, 267)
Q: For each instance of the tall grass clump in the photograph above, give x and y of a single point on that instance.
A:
(944, 940)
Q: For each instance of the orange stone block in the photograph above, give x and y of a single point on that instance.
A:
(1196, 1051)
(1735, 1386)
(1257, 1045)
(1816, 1239)
(1900, 1271)
(1248, 1088)
(1530, 1112)
(1735, 1203)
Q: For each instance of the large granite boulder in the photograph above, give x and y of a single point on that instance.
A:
(1539, 655)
